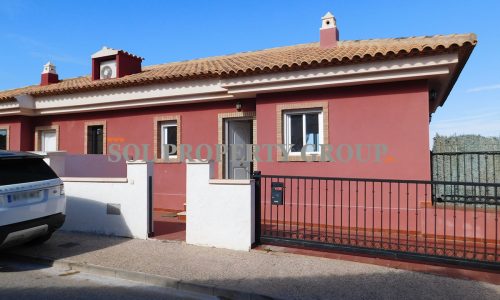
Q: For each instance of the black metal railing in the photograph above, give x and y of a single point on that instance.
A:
(441, 221)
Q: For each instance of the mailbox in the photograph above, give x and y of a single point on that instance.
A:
(277, 189)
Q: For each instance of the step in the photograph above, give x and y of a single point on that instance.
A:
(181, 216)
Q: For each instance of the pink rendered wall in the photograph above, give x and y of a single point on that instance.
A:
(27, 139)
(199, 125)
(15, 128)
(394, 114)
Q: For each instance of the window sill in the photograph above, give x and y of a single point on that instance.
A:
(170, 161)
(298, 158)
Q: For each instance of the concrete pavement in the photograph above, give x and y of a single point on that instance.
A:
(24, 281)
(280, 275)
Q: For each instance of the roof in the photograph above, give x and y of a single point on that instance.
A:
(272, 60)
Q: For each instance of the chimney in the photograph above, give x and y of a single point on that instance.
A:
(112, 63)
(49, 74)
(328, 33)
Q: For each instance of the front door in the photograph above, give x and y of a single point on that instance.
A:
(48, 140)
(238, 163)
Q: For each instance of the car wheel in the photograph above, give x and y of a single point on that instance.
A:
(40, 240)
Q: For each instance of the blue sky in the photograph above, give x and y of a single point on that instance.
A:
(68, 32)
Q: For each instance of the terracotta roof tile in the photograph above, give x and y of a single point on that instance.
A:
(265, 61)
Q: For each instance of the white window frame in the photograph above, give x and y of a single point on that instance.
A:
(164, 139)
(287, 127)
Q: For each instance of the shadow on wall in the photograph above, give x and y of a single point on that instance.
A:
(86, 215)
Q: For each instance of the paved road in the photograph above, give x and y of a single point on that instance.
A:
(22, 281)
(276, 274)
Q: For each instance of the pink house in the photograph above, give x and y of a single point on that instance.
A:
(372, 93)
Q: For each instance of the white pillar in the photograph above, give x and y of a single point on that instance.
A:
(138, 173)
(220, 213)
(57, 161)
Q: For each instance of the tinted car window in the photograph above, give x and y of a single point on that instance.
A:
(21, 170)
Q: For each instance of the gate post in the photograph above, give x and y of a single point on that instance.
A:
(257, 177)
(150, 207)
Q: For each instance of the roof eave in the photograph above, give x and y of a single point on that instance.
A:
(464, 53)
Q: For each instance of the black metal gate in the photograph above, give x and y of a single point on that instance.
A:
(450, 222)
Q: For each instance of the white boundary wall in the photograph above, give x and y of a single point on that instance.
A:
(220, 213)
(110, 206)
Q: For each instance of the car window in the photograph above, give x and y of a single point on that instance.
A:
(21, 170)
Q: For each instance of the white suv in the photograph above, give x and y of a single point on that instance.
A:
(32, 200)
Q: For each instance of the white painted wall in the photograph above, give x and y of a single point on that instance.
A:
(220, 213)
(87, 200)
(56, 160)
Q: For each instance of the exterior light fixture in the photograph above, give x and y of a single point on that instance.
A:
(238, 106)
(432, 95)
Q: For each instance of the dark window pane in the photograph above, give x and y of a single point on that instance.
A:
(21, 170)
(312, 132)
(95, 139)
(296, 133)
(3, 139)
(172, 136)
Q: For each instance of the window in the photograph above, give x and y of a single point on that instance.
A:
(304, 122)
(168, 137)
(167, 131)
(95, 139)
(4, 139)
(304, 128)
(48, 140)
(21, 170)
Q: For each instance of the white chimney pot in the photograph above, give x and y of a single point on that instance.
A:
(49, 68)
(328, 21)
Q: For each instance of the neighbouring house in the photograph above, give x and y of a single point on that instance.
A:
(336, 92)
